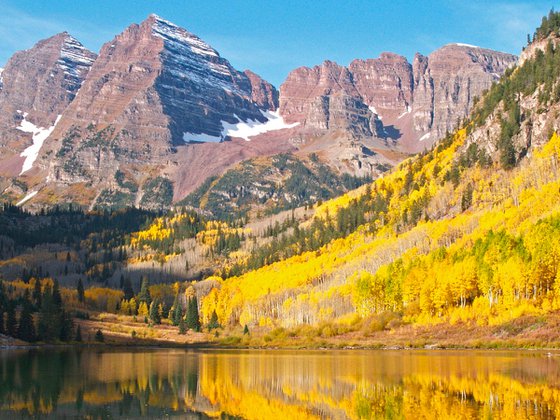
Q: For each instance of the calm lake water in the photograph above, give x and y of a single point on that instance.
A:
(279, 384)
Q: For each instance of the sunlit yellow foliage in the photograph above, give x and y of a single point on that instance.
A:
(103, 298)
(438, 265)
(143, 309)
(161, 228)
(214, 229)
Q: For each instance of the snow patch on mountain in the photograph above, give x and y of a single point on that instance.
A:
(201, 138)
(459, 44)
(1, 78)
(425, 137)
(251, 128)
(373, 110)
(27, 198)
(408, 109)
(40, 134)
(243, 129)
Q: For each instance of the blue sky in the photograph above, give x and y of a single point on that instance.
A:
(273, 37)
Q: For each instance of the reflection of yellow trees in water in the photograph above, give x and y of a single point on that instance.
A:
(294, 385)
(381, 385)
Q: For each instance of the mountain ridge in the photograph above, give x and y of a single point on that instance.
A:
(157, 86)
(434, 91)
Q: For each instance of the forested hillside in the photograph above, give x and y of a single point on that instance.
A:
(267, 186)
(465, 232)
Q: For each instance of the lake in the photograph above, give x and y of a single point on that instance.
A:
(277, 384)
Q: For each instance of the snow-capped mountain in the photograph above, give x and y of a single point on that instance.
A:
(157, 80)
(154, 93)
(159, 110)
(37, 86)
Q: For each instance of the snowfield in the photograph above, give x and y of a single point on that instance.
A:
(27, 197)
(40, 134)
(243, 129)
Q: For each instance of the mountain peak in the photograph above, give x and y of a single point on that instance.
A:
(158, 86)
(154, 19)
(180, 37)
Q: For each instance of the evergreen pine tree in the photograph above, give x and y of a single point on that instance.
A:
(144, 295)
(11, 321)
(182, 326)
(26, 328)
(213, 321)
(192, 318)
(127, 289)
(154, 312)
(81, 293)
(246, 330)
(78, 338)
(66, 326)
(48, 328)
(36, 296)
(507, 153)
(3, 298)
(99, 336)
(56, 296)
(466, 200)
(177, 311)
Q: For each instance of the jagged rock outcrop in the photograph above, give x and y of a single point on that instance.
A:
(43, 80)
(385, 83)
(37, 85)
(262, 93)
(325, 98)
(453, 77)
(509, 140)
(412, 105)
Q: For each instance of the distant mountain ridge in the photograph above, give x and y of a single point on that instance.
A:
(408, 105)
(159, 111)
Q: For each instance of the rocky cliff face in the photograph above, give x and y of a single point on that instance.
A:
(36, 86)
(411, 105)
(525, 116)
(262, 93)
(42, 81)
(307, 93)
(452, 77)
(385, 84)
(159, 82)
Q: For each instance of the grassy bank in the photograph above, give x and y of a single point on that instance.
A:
(386, 331)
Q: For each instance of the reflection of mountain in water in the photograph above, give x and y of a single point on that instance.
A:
(257, 385)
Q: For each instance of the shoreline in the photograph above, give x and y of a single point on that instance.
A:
(529, 332)
(217, 347)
